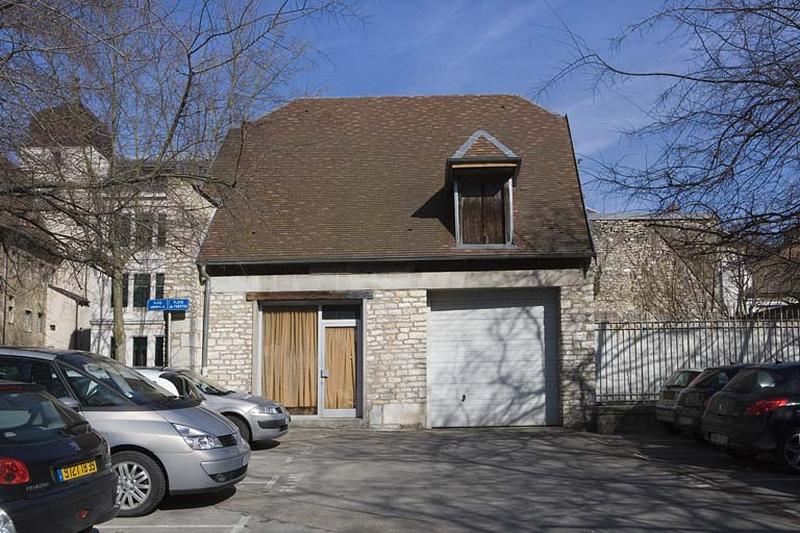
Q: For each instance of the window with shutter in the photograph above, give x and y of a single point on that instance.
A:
(484, 209)
(482, 212)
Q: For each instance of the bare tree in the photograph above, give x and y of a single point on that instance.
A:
(100, 100)
(726, 125)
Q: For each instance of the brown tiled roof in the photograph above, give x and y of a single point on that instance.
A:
(364, 178)
(70, 125)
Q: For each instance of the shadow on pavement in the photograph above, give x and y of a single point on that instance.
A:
(508, 480)
(760, 474)
(189, 501)
(264, 445)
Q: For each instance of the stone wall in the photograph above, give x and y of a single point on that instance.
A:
(395, 358)
(647, 271)
(230, 341)
(577, 354)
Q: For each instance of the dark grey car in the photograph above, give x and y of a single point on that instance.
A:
(158, 442)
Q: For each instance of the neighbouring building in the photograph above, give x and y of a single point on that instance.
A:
(404, 261)
(41, 304)
(167, 223)
(27, 269)
(772, 284)
(161, 223)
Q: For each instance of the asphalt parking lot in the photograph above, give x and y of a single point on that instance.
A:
(487, 480)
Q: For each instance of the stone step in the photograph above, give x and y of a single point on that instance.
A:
(331, 423)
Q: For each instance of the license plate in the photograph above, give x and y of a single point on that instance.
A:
(716, 438)
(685, 421)
(67, 473)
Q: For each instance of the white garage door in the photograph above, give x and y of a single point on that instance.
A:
(492, 358)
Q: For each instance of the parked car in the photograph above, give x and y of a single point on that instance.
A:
(158, 442)
(693, 400)
(665, 406)
(55, 470)
(257, 418)
(758, 411)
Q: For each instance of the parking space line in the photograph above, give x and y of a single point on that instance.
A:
(170, 526)
(271, 483)
(267, 484)
(241, 524)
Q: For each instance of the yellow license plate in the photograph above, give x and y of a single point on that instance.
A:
(75, 471)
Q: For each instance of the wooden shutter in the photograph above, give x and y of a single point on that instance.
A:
(493, 213)
(482, 212)
(471, 210)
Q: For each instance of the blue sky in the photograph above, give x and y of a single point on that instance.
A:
(416, 47)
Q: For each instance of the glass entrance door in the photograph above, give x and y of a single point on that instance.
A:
(339, 377)
(310, 359)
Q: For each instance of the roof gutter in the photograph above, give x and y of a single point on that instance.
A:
(386, 259)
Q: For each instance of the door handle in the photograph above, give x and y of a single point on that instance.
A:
(323, 373)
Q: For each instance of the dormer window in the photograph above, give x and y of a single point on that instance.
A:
(484, 209)
(482, 174)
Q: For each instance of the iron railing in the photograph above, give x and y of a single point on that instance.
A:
(634, 358)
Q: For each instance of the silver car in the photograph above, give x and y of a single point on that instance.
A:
(158, 442)
(257, 418)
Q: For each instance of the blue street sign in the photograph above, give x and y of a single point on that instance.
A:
(157, 304)
(178, 304)
(168, 304)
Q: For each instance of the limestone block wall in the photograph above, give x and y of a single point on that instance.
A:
(578, 367)
(230, 341)
(395, 358)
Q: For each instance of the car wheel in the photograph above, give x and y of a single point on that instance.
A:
(140, 483)
(788, 453)
(244, 429)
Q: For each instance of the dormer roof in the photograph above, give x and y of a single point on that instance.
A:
(483, 144)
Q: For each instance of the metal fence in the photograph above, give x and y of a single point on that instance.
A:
(634, 358)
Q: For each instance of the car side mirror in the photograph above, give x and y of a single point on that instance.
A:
(70, 402)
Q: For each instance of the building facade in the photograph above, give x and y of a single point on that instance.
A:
(404, 262)
(149, 220)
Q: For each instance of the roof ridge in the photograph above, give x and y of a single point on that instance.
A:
(310, 98)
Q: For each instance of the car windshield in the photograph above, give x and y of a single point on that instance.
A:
(714, 377)
(681, 378)
(205, 385)
(27, 417)
(96, 376)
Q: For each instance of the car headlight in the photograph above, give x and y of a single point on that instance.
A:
(196, 439)
(266, 409)
(6, 525)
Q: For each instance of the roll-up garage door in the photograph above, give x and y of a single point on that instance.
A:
(492, 358)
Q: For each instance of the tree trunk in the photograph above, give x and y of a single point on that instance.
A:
(118, 314)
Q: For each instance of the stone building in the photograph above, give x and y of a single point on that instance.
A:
(160, 221)
(404, 261)
(168, 223)
(27, 269)
(43, 305)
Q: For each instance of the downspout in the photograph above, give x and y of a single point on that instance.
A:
(5, 294)
(205, 280)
